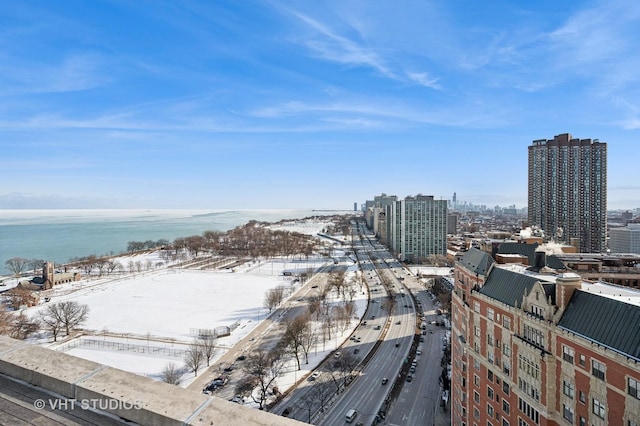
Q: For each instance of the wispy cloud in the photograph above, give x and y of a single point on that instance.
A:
(329, 44)
(423, 79)
(72, 73)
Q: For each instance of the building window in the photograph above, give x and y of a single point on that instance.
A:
(598, 408)
(476, 364)
(529, 367)
(505, 388)
(529, 389)
(476, 331)
(476, 397)
(490, 340)
(476, 413)
(633, 388)
(582, 397)
(597, 369)
(529, 411)
(567, 413)
(534, 336)
(476, 307)
(506, 349)
(583, 360)
(567, 354)
(476, 380)
(490, 375)
(489, 410)
(505, 407)
(505, 422)
(490, 357)
(490, 392)
(506, 322)
(490, 314)
(582, 421)
(567, 389)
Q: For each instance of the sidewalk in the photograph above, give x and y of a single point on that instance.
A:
(443, 415)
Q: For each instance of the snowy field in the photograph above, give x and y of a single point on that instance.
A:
(162, 308)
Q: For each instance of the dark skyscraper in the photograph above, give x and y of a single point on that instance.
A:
(568, 191)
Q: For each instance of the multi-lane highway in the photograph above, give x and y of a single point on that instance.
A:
(382, 347)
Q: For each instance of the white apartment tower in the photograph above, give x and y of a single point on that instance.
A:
(417, 227)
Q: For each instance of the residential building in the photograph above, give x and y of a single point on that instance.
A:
(417, 227)
(567, 194)
(541, 349)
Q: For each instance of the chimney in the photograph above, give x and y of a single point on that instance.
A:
(540, 259)
(566, 285)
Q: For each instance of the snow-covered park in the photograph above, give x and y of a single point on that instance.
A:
(141, 322)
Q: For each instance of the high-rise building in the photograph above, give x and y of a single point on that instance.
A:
(625, 240)
(568, 191)
(541, 349)
(417, 227)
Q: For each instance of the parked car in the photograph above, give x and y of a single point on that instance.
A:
(385, 381)
(314, 376)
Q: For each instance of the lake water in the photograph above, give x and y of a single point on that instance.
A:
(60, 235)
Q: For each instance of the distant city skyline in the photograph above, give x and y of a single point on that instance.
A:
(266, 105)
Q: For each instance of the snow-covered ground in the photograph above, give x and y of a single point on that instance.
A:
(163, 308)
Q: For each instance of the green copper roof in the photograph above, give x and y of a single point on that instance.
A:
(607, 321)
(477, 261)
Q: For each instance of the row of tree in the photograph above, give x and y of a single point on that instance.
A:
(55, 318)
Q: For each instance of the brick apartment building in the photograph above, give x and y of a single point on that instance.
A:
(542, 349)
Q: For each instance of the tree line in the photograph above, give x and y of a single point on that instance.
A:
(54, 318)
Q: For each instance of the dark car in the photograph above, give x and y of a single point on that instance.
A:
(409, 378)
(241, 358)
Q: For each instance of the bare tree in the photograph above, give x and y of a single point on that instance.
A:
(246, 385)
(6, 321)
(171, 374)
(270, 299)
(73, 314)
(194, 358)
(264, 367)
(51, 319)
(18, 297)
(36, 264)
(293, 335)
(207, 344)
(324, 392)
(16, 265)
(337, 281)
(308, 339)
(23, 326)
(111, 266)
(308, 401)
(344, 369)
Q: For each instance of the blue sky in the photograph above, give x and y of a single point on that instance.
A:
(316, 104)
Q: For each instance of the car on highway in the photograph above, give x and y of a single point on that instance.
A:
(409, 378)
(385, 381)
